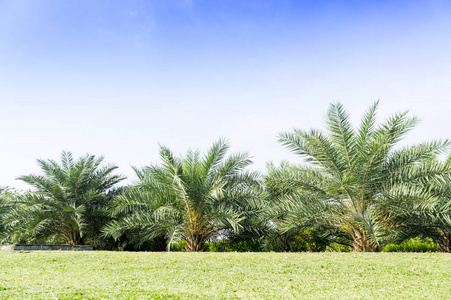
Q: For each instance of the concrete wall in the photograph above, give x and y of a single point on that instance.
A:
(18, 247)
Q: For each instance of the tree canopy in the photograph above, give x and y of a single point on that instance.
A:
(351, 174)
(70, 200)
(358, 188)
(193, 197)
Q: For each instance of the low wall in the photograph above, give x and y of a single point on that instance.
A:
(19, 247)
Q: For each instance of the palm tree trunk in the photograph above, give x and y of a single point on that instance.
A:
(70, 235)
(195, 242)
(362, 244)
(197, 231)
(358, 245)
(444, 241)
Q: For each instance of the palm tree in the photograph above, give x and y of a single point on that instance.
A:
(431, 218)
(70, 200)
(192, 198)
(6, 204)
(290, 202)
(351, 174)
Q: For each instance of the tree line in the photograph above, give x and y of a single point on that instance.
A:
(356, 190)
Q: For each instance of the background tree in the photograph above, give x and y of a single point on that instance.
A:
(192, 198)
(6, 205)
(350, 174)
(70, 201)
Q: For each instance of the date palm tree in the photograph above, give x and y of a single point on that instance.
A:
(350, 174)
(431, 218)
(69, 200)
(6, 204)
(192, 198)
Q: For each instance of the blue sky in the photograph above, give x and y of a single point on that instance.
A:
(115, 78)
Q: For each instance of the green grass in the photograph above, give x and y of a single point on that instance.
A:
(126, 275)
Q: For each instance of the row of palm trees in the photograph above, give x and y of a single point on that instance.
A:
(355, 189)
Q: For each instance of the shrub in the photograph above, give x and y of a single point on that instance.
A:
(335, 247)
(412, 245)
(178, 247)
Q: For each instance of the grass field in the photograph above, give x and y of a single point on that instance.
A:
(126, 275)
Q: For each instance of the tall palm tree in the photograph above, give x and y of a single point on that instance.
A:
(350, 173)
(70, 200)
(192, 198)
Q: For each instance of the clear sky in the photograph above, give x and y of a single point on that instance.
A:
(115, 78)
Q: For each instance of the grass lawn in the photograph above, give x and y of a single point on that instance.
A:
(127, 275)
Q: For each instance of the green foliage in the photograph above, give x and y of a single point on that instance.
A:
(335, 247)
(70, 202)
(412, 245)
(356, 180)
(6, 205)
(430, 218)
(179, 246)
(192, 198)
(357, 189)
(311, 239)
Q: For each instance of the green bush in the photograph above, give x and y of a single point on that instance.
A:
(412, 245)
(179, 246)
(335, 247)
